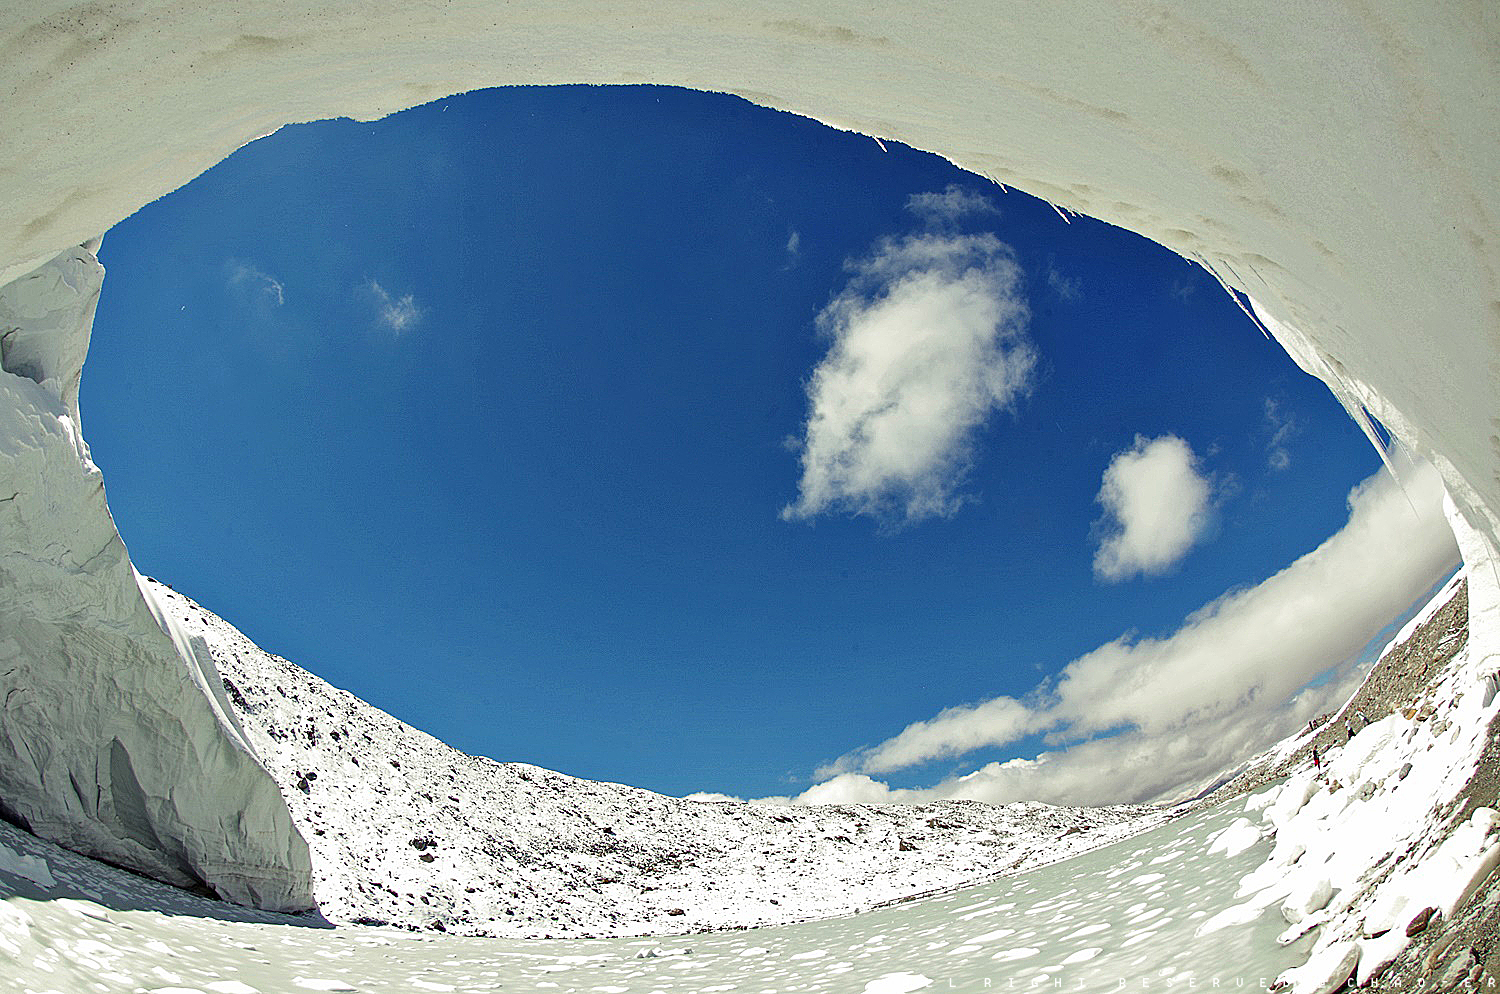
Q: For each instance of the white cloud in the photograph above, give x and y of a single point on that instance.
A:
(262, 288)
(847, 788)
(927, 339)
(396, 313)
(948, 207)
(1067, 288)
(953, 732)
(1156, 505)
(1142, 718)
(1282, 428)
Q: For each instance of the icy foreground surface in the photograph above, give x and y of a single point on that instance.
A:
(406, 830)
(1129, 911)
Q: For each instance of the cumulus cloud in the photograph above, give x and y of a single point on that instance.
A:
(261, 288)
(950, 206)
(926, 340)
(1143, 718)
(1157, 506)
(395, 313)
(711, 797)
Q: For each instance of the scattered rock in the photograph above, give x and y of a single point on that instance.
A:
(1325, 972)
(1306, 899)
(1456, 969)
(1420, 922)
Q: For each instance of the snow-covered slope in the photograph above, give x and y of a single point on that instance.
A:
(409, 831)
(1122, 913)
(1392, 829)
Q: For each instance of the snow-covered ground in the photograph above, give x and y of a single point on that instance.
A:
(406, 830)
(1128, 912)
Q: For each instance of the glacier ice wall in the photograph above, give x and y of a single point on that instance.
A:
(1334, 160)
(110, 741)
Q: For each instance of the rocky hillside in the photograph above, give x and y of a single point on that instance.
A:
(405, 830)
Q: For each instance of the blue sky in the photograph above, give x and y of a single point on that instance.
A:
(583, 427)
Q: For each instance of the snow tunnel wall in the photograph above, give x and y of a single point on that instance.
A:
(1336, 161)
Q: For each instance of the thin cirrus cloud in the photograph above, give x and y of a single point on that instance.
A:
(950, 206)
(260, 288)
(1068, 289)
(1140, 719)
(926, 340)
(395, 313)
(1283, 427)
(1157, 505)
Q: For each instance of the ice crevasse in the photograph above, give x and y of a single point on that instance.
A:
(1335, 164)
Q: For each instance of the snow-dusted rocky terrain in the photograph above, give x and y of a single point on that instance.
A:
(1391, 833)
(408, 831)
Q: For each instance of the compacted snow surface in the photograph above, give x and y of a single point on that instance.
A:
(1128, 912)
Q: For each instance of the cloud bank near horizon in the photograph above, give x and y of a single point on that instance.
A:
(1143, 718)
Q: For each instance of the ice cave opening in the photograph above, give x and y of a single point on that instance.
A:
(243, 335)
(1336, 166)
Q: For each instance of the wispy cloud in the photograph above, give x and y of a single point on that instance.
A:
(1067, 288)
(954, 731)
(1141, 718)
(260, 288)
(1157, 506)
(1282, 427)
(926, 340)
(397, 313)
(950, 206)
